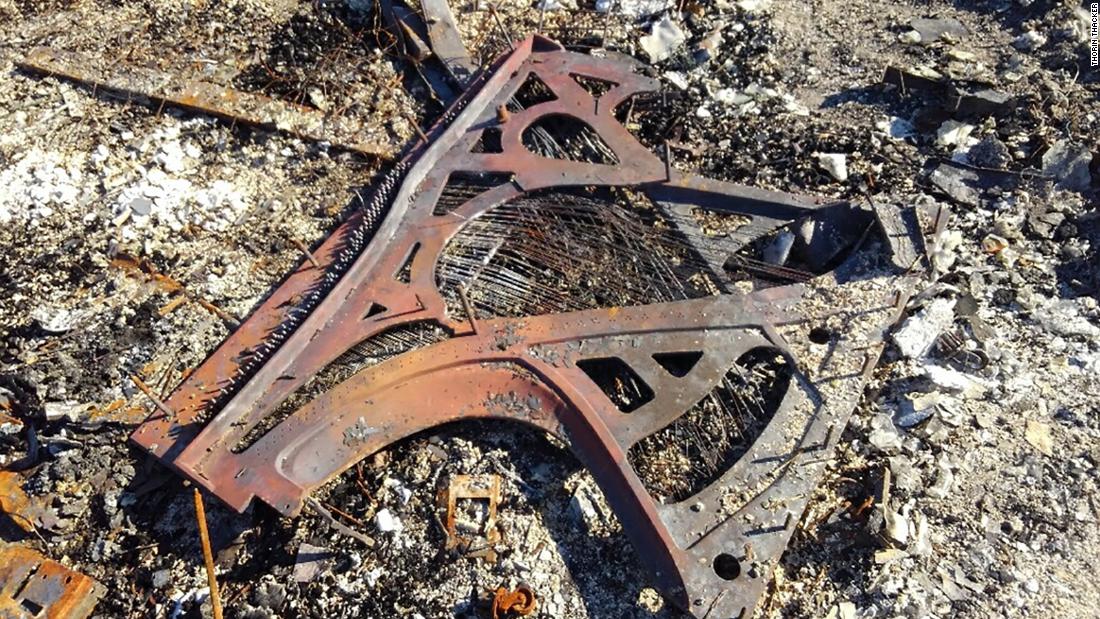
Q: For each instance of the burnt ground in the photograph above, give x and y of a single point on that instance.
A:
(109, 208)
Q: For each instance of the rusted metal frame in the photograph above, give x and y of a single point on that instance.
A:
(473, 487)
(679, 544)
(305, 349)
(165, 436)
(204, 97)
(305, 445)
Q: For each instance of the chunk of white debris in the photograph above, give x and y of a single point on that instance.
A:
(583, 507)
(953, 133)
(140, 206)
(1063, 317)
(916, 407)
(753, 6)
(836, 164)
(101, 154)
(884, 436)
(883, 557)
(55, 319)
(897, 526)
(677, 79)
(194, 596)
(1029, 40)
(73, 411)
(726, 96)
(897, 128)
(961, 55)
(971, 387)
(921, 545)
(665, 37)
(400, 489)
(171, 157)
(945, 480)
(794, 106)
(912, 37)
(372, 576)
(9, 425)
(633, 8)
(846, 610)
(1039, 436)
(918, 333)
(387, 522)
(36, 184)
(1069, 164)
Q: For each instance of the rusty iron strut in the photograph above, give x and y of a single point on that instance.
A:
(534, 262)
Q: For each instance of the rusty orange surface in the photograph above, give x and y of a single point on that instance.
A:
(473, 487)
(15, 503)
(521, 602)
(33, 586)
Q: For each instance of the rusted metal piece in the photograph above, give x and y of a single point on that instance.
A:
(34, 587)
(380, 272)
(521, 602)
(446, 40)
(15, 505)
(305, 251)
(407, 28)
(207, 555)
(340, 527)
(209, 98)
(140, 384)
(477, 488)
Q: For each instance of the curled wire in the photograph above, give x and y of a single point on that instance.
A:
(952, 345)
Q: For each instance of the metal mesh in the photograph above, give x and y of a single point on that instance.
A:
(559, 252)
(387, 344)
(692, 452)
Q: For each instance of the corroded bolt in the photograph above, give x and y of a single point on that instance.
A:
(503, 114)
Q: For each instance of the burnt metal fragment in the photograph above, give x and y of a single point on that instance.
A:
(208, 98)
(519, 603)
(15, 505)
(446, 40)
(970, 185)
(549, 269)
(33, 587)
(484, 488)
(957, 97)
